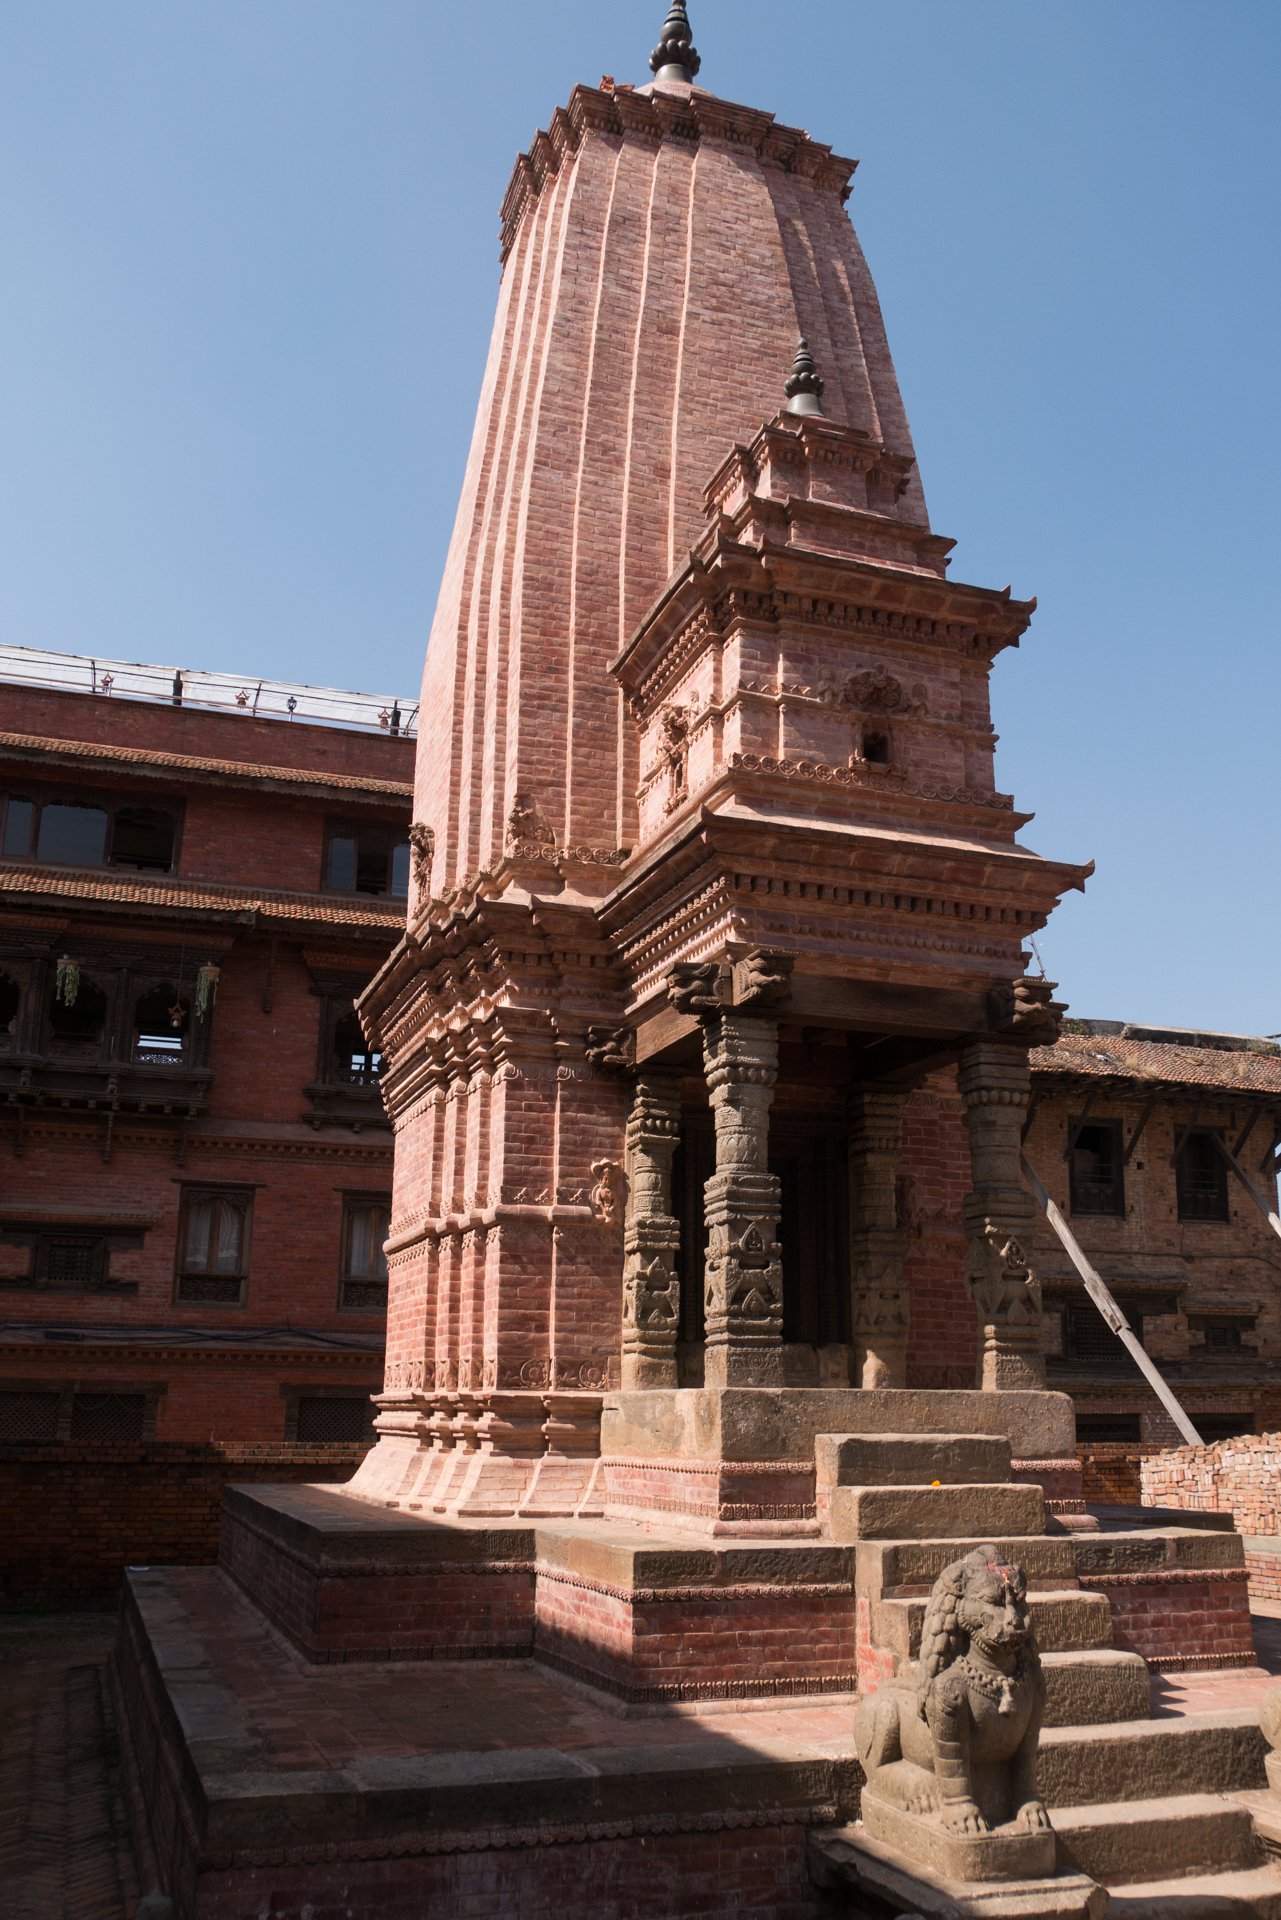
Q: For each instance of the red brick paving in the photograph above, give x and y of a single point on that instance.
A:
(64, 1838)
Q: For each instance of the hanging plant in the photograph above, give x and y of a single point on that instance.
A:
(66, 986)
(206, 987)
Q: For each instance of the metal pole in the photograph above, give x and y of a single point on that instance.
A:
(1107, 1306)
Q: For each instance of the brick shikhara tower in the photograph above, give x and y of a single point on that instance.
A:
(711, 875)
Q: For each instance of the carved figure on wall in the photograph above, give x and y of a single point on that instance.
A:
(527, 822)
(605, 1194)
(876, 691)
(961, 1748)
(606, 1049)
(1027, 1007)
(674, 726)
(763, 981)
(694, 987)
(423, 842)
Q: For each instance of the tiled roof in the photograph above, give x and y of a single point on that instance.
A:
(207, 897)
(1110, 1057)
(148, 760)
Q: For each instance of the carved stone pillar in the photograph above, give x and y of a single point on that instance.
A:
(995, 1085)
(877, 1243)
(743, 1285)
(651, 1290)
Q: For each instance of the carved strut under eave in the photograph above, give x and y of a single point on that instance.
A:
(675, 57)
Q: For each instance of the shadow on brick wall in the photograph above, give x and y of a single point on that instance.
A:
(77, 1514)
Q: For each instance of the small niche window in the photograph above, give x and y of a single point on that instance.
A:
(213, 1247)
(89, 830)
(1201, 1177)
(161, 1020)
(367, 859)
(78, 1028)
(363, 1287)
(355, 1062)
(1222, 1332)
(328, 1417)
(1095, 1168)
(876, 748)
(10, 1008)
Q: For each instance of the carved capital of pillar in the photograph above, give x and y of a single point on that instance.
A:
(651, 1289)
(881, 1314)
(995, 1086)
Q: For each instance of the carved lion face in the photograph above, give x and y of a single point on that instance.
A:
(993, 1609)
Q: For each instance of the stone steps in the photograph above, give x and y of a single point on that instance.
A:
(1067, 1621)
(969, 1512)
(1250, 1893)
(1126, 1841)
(910, 1459)
(1095, 1687)
(1096, 1765)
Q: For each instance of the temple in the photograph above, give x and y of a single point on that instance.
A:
(715, 1346)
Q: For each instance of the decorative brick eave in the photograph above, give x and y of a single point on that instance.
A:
(653, 118)
(199, 897)
(66, 1355)
(104, 1217)
(150, 763)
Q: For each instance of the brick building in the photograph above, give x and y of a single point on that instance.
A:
(1125, 1127)
(196, 879)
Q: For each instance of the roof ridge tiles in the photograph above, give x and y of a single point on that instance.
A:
(143, 757)
(211, 895)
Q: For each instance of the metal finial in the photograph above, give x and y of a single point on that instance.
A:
(675, 56)
(803, 387)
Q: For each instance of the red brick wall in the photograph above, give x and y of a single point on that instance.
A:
(77, 1514)
(1241, 1476)
(1110, 1471)
(1180, 1622)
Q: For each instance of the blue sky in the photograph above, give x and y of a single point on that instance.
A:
(250, 270)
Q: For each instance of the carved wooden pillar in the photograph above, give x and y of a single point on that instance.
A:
(743, 1285)
(995, 1085)
(651, 1289)
(877, 1242)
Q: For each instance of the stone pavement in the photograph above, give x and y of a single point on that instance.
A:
(64, 1837)
(64, 1846)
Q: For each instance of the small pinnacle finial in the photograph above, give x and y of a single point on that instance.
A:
(675, 57)
(803, 387)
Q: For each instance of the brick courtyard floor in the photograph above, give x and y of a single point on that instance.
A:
(64, 1839)
(64, 1845)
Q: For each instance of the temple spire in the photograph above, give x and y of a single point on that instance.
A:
(675, 57)
(803, 387)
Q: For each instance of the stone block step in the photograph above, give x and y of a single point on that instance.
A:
(1252, 1893)
(910, 1459)
(907, 1569)
(934, 1513)
(1133, 1840)
(1095, 1688)
(1218, 1752)
(1066, 1621)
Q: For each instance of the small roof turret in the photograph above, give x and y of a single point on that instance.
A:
(675, 56)
(803, 387)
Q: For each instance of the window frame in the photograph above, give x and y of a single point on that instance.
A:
(241, 1195)
(394, 833)
(292, 1394)
(65, 1393)
(1202, 1219)
(353, 1199)
(109, 800)
(1077, 1127)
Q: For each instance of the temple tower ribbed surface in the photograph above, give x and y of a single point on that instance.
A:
(663, 250)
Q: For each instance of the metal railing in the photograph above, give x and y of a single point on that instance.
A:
(222, 692)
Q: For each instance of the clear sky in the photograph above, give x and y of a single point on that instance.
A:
(249, 270)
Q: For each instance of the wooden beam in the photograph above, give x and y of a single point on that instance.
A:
(874, 1006)
(1075, 1126)
(668, 1038)
(1245, 1133)
(1248, 1184)
(1137, 1135)
(1108, 1307)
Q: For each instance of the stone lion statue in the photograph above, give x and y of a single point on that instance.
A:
(962, 1747)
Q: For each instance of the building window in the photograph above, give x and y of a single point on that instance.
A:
(213, 1247)
(10, 1009)
(72, 829)
(1077, 1334)
(109, 1416)
(72, 1258)
(363, 1286)
(354, 1062)
(321, 1415)
(79, 1410)
(1202, 1179)
(78, 1029)
(28, 1414)
(367, 859)
(1095, 1168)
(876, 749)
(1108, 1428)
(161, 1021)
